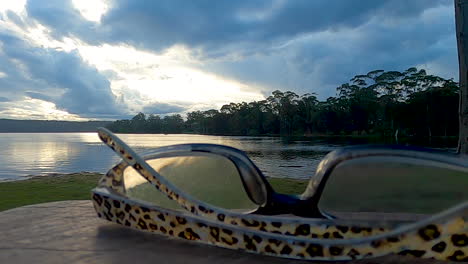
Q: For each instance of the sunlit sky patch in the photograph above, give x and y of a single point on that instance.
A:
(37, 109)
(15, 6)
(91, 9)
(110, 59)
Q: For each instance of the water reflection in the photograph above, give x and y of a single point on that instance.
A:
(41, 153)
(274, 156)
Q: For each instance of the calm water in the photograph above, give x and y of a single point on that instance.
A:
(26, 154)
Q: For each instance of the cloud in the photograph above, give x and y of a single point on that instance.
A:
(4, 99)
(320, 61)
(15, 18)
(163, 108)
(157, 25)
(60, 17)
(297, 45)
(391, 46)
(40, 96)
(62, 78)
(303, 46)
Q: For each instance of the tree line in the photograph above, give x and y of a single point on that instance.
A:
(47, 126)
(385, 103)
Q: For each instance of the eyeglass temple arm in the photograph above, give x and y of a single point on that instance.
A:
(141, 167)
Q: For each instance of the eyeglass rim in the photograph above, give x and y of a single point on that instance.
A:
(393, 236)
(311, 195)
(201, 203)
(255, 183)
(458, 212)
(450, 213)
(318, 182)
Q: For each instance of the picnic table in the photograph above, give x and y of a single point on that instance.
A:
(70, 232)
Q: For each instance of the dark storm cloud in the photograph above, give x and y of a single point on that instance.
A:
(320, 61)
(12, 16)
(411, 42)
(39, 96)
(4, 99)
(304, 45)
(206, 24)
(163, 108)
(61, 18)
(56, 76)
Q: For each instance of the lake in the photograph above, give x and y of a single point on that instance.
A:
(28, 154)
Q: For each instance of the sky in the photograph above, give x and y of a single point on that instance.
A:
(110, 59)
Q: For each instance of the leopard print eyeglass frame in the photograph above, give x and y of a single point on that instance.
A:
(312, 234)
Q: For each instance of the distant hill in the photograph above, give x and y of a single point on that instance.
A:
(18, 126)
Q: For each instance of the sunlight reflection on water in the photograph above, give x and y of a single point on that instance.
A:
(42, 153)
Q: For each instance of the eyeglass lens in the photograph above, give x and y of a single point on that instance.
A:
(209, 178)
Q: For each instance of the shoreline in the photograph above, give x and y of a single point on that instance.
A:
(41, 189)
(51, 174)
(77, 186)
(58, 174)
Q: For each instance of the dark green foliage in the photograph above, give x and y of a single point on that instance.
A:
(384, 103)
(29, 126)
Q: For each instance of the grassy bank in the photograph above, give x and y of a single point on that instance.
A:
(358, 193)
(288, 186)
(77, 186)
(44, 189)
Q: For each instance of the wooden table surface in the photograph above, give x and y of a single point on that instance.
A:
(70, 232)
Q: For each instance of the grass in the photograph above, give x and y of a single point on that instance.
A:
(42, 189)
(288, 186)
(77, 186)
(363, 191)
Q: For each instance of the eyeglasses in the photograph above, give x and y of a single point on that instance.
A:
(225, 200)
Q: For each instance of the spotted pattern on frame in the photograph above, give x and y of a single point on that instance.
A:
(427, 242)
(444, 241)
(294, 228)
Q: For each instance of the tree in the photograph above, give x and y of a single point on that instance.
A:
(154, 124)
(285, 106)
(139, 123)
(173, 124)
(308, 112)
(195, 122)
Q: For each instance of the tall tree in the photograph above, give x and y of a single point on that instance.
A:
(461, 22)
